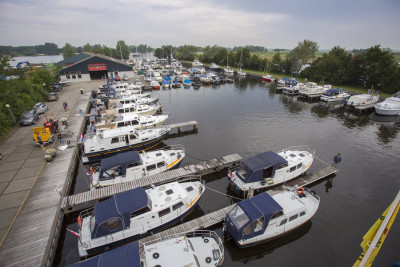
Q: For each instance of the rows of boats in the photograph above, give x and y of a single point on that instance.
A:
(120, 145)
(311, 90)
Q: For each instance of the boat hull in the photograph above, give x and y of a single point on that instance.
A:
(98, 155)
(387, 112)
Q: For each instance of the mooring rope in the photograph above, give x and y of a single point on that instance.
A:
(223, 193)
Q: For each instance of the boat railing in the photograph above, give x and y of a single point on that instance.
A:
(174, 147)
(82, 215)
(312, 193)
(299, 148)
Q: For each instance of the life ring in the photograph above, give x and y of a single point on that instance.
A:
(300, 190)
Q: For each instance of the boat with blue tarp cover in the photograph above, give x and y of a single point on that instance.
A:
(132, 165)
(263, 217)
(198, 248)
(269, 169)
(135, 213)
(333, 95)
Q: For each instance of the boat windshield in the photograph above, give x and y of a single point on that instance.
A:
(238, 217)
(242, 172)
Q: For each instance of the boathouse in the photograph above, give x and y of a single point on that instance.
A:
(87, 66)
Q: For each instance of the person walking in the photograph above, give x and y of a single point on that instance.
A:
(59, 136)
(40, 141)
(336, 160)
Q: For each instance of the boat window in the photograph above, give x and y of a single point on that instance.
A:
(258, 225)
(293, 169)
(151, 167)
(294, 217)
(120, 124)
(238, 217)
(292, 155)
(299, 165)
(114, 140)
(243, 170)
(139, 212)
(132, 109)
(164, 212)
(177, 206)
(302, 155)
(284, 165)
(135, 122)
(160, 164)
(247, 230)
(121, 111)
(267, 172)
(169, 192)
(112, 224)
(302, 213)
(189, 188)
(172, 154)
(277, 214)
(283, 222)
(127, 110)
(158, 154)
(134, 164)
(132, 136)
(127, 123)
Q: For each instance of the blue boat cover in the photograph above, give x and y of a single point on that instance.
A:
(125, 256)
(167, 82)
(168, 78)
(113, 214)
(186, 81)
(257, 164)
(331, 92)
(120, 159)
(261, 205)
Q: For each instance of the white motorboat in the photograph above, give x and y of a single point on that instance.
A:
(141, 109)
(197, 64)
(201, 248)
(135, 213)
(132, 165)
(112, 120)
(311, 89)
(241, 73)
(228, 70)
(155, 85)
(112, 141)
(390, 106)
(292, 88)
(139, 99)
(361, 100)
(333, 95)
(269, 169)
(263, 217)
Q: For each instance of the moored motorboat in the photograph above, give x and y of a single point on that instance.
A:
(269, 169)
(187, 83)
(361, 100)
(214, 67)
(263, 218)
(390, 106)
(267, 78)
(333, 95)
(109, 142)
(132, 165)
(203, 247)
(312, 90)
(155, 85)
(135, 213)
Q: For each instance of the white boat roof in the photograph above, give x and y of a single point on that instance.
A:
(286, 201)
(161, 199)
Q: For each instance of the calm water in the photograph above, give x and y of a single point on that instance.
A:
(248, 117)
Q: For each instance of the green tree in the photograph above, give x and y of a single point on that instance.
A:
(276, 64)
(122, 50)
(87, 48)
(158, 53)
(68, 51)
(303, 53)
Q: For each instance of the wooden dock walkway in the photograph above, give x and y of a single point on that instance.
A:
(218, 216)
(179, 126)
(86, 199)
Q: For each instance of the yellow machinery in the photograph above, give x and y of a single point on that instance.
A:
(44, 133)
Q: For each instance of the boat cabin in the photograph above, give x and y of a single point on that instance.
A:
(331, 92)
(114, 214)
(261, 167)
(250, 217)
(118, 164)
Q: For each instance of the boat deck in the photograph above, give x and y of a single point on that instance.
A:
(86, 199)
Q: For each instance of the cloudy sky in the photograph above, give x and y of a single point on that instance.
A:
(273, 24)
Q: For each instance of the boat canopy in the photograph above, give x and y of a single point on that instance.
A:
(331, 92)
(255, 166)
(186, 81)
(290, 82)
(168, 78)
(125, 256)
(113, 214)
(259, 208)
(166, 82)
(120, 159)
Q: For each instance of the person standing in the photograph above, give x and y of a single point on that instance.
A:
(336, 160)
(40, 141)
(59, 136)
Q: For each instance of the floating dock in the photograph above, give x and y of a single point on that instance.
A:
(87, 199)
(179, 126)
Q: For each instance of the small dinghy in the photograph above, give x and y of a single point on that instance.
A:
(135, 213)
(263, 218)
(269, 169)
(132, 165)
(199, 248)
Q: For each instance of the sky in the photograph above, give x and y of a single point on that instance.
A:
(350, 24)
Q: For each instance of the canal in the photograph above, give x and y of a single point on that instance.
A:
(248, 117)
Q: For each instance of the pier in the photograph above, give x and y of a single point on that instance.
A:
(87, 199)
(179, 126)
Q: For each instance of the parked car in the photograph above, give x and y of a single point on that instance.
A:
(117, 78)
(40, 107)
(57, 87)
(52, 97)
(29, 117)
(125, 77)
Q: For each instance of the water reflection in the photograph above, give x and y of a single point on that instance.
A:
(388, 127)
(247, 255)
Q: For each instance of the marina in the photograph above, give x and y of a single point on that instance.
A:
(208, 143)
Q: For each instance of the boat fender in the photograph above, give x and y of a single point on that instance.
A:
(300, 190)
(206, 240)
(208, 260)
(270, 181)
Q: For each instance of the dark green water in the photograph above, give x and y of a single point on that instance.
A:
(248, 117)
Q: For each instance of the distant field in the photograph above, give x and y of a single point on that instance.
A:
(270, 54)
